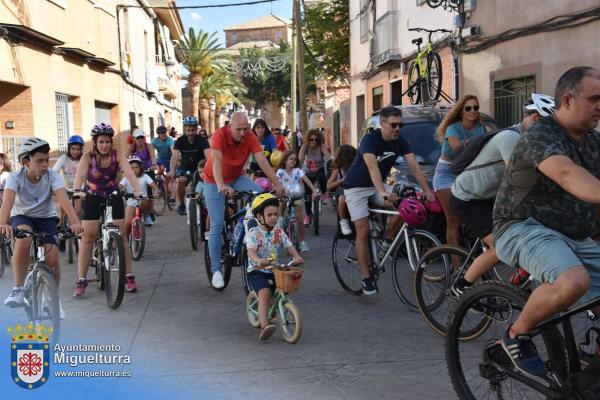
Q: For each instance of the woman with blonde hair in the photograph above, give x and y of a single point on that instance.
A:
(463, 122)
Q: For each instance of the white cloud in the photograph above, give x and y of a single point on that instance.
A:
(196, 16)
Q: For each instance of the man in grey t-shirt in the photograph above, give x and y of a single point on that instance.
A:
(28, 202)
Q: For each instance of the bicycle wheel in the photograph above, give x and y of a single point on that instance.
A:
(252, 309)
(291, 323)
(414, 91)
(315, 215)
(202, 229)
(225, 264)
(46, 302)
(137, 239)
(244, 268)
(3, 256)
(193, 216)
(160, 203)
(170, 205)
(113, 270)
(434, 3)
(345, 264)
(434, 76)
(294, 232)
(404, 266)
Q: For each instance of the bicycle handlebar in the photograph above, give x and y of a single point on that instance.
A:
(274, 265)
(22, 233)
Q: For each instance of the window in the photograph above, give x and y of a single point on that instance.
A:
(64, 120)
(364, 20)
(151, 129)
(377, 98)
(396, 93)
(421, 2)
(360, 112)
(8, 146)
(509, 97)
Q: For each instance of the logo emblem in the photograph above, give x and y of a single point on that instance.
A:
(30, 355)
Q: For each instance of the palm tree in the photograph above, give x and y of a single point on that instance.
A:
(221, 85)
(201, 53)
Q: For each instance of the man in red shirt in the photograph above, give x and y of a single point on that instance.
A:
(231, 146)
(281, 141)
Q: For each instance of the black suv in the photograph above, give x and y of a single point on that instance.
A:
(420, 124)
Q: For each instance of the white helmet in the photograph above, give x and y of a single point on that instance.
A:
(542, 104)
(134, 159)
(28, 145)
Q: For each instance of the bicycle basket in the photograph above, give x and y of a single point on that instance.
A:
(287, 280)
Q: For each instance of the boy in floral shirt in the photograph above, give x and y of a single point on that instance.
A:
(265, 244)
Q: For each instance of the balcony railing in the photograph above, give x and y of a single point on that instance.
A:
(386, 38)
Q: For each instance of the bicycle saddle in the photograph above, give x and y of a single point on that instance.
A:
(417, 41)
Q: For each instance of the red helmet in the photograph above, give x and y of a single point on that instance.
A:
(412, 212)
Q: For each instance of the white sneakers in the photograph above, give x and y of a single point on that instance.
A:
(345, 227)
(217, 280)
(16, 298)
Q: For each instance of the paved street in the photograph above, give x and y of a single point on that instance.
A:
(184, 336)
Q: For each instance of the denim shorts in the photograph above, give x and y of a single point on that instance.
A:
(38, 225)
(546, 253)
(443, 177)
(259, 280)
(188, 173)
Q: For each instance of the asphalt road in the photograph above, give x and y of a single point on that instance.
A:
(185, 337)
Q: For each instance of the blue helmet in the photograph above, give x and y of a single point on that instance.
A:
(190, 121)
(102, 129)
(75, 139)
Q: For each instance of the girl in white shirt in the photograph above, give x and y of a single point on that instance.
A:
(5, 170)
(144, 181)
(291, 178)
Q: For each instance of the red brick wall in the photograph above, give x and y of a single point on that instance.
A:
(15, 105)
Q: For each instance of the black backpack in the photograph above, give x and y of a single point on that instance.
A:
(465, 153)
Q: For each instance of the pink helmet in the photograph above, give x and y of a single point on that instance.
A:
(434, 207)
(264, 184)
(412, 212)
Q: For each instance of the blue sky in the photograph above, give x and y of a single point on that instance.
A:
(215, 19)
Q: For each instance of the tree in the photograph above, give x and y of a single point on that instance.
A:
(221, 85)
(327, 33)
(201, 53)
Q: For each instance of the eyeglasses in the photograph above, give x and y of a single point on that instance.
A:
(140, 137)
(468, 108)
(313, 140)
(394, 125)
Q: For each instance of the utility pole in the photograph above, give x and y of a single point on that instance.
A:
(293, 94)
(301, 80)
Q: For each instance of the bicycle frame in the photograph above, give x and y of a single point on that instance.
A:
(421, 59)
(403, 232)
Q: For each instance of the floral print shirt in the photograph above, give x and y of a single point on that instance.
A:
(267, 244)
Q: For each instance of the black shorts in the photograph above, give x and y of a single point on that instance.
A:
(152, 175)
(92, 210)
(261, 280)
(475, 214)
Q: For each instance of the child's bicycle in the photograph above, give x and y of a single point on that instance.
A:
(287, 280)
(292, 223)
(137, 236)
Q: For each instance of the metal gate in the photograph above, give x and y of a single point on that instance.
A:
(8, 146)
(509, 97)
(63, 121)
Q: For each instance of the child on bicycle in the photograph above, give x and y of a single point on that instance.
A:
(144, 181)
(198, 181)
(343, 158)
(28, 203)
(291, 178)
(265, 244)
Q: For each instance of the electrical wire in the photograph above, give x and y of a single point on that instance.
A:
(248, 3)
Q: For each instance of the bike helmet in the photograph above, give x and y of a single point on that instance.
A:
(263, 200)
(161, 129)
(75, 139)
(102, 129)
(542, 104)
(264, 184)
(434, 206)
(134, 159)
(412, 212)
(29, 145)
(190, 121)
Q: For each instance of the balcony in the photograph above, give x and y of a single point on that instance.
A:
(386, 39)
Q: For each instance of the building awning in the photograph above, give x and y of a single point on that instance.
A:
(76, 52)
(101, 61)
(22, 33)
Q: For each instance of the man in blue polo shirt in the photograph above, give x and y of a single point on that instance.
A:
(377, 154)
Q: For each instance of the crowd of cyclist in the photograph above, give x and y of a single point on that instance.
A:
(529, 192)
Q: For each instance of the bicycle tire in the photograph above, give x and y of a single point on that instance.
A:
(137, 239)
(160, 203)
(291, 328)
(434, 76)
(315, 215)
(403, 285)
(193, 220)
(114, 289)
(353, 283)
(202, 218)
(252, 309)
(434, 310)
(3, 257)
(414, 91)
(170, 206)
(244, 268)
(517, 297)
(42, 311)
(225, 264)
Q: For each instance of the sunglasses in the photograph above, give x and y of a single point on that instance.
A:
(395, 125)
(313, 140)
(469, 108)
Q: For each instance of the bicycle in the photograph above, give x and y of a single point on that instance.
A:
(197, 214)
(108, 253)
(409, 243)
(6, 251)
(42, 301)
(292, 223)
(287, 280)
(482, 370)
(317, 203)
(71, 242)
(434, 296)
(425, 73)
(162, 201)
(137, 236)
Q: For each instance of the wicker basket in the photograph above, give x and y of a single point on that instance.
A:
(287, 280)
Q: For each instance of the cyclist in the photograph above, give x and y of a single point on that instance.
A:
(28, 203)
(266, 241)
(98, 169)
(144, 152)
(545, 211)
(293, 179)
(5, 170)
(224, 173)
(282, 143)
(163, 144)
(192, 148)
(343, 158)
(313, 155)
(364, 182)
(475, 189)
(267, 142)
(146, 185)
(461, 123)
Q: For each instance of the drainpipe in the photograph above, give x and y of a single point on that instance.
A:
(461, 22)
